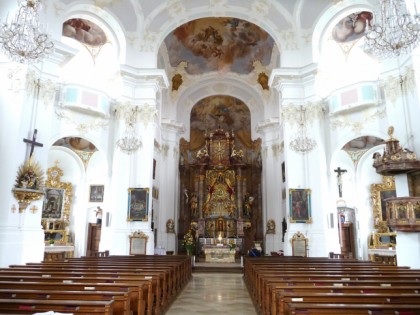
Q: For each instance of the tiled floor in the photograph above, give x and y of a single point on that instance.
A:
(214, 293)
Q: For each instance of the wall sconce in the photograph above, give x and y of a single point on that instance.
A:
(13, 208)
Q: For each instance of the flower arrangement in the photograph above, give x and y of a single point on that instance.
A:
(232, 245)
(188, 242)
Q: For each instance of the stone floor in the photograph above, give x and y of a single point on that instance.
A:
(213, 293)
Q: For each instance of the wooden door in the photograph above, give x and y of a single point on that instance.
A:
(94, 237)
(347, 239)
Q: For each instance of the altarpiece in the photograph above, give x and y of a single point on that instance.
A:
(221, 191)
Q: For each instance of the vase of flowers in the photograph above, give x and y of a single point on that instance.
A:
(188, 242)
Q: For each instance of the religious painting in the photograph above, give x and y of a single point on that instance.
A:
(379, 194)
(96, 193)
(219, 44)
(53, 203)
(300, 205)
(138, 204)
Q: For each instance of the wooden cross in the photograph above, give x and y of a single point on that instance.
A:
(339, 171)
(33, 143)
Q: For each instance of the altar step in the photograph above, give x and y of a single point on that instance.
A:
(217, 267)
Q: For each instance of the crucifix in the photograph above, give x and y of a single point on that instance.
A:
(33, 143)
(339, 171)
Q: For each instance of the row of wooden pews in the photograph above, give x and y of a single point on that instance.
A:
(318, 286)
(109, 285)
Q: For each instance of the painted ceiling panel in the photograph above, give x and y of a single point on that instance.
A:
(225, 112)
(219, 44)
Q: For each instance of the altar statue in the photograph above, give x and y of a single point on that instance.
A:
(193, 204)
(248, 200)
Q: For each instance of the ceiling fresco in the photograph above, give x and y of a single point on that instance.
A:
(219, 44)
(84, 31)
(76, 143)
(224, 112)
(363, 143)
(352, 27)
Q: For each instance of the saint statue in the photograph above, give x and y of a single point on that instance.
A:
(248, 200)
(193, 204)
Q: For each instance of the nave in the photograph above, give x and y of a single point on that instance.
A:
(214, 293)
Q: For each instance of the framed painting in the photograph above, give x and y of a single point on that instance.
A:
(96, 193)
(300, 205)
(53, 203)
(138, 204)
(379, 193)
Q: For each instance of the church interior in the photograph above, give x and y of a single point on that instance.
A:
(216, 129)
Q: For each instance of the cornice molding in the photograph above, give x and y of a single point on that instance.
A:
(145, 76)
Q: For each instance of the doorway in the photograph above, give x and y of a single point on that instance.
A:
(94, 238)
(347, 231)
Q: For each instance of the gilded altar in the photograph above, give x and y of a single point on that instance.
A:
(220, 190)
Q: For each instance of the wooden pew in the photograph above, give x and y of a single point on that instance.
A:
(279, 292)
(343, 298)
(353, 309)
(121, 299)
(269, 279)
(140, 283)
(137, 301)
(28, 306)
(96, 268)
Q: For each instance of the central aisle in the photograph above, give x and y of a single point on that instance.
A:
(214, 293)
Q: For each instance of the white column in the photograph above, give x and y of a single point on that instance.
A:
(135, 170)
(272, 181)
(168, 184)
(304, 171)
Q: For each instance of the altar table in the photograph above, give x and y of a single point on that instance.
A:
(216, 253)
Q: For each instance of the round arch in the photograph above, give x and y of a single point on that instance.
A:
(329, 19)
(104, 20)
(230, 86)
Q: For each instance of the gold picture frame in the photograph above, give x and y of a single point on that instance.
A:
(55, 225)
(138, 204)
(300, 205)
(379, 193)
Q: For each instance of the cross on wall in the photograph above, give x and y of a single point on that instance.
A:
(33, 143)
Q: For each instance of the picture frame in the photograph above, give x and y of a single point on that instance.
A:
(138, 243)
(138, 204)
(53, 203)
(299, 245)
(96, 193)
(300, 205)
(379, 193)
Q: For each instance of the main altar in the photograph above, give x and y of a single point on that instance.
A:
(220, 195)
